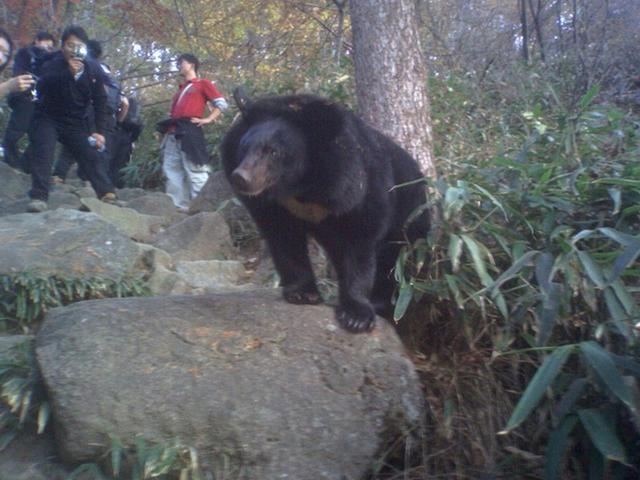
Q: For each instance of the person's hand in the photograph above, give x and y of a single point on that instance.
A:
(100, 141)
(201, 121)
(21, 83)
(76, 66)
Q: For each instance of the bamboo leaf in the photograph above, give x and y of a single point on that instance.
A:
(402, 303)
(557, 447)
(628, 364)
(581, 236)
(571, 396)
(588, 97)
(525, 261)
(493, 199)
(44, 412)
(6, 438)
(538, 385)
(592, 269)
(550, 307)
(117, 450)
(455, 251)
(453, 286)
(454, 200)
(620, 318)
(624, 260)
(623, 182)
(544, 265)
(602, 435)
(600, 360)
(616, 196)
(625, 298)
(478, 263)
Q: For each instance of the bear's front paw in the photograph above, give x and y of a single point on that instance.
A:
(356, 318)
(301, 297)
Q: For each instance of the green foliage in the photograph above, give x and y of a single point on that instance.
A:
(21, 392)
(25, 297)
(143, 461)
(145, 168)
(536, 254)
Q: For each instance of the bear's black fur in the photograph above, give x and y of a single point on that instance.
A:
(303, 165)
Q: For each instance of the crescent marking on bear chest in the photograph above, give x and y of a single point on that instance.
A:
(310, 212)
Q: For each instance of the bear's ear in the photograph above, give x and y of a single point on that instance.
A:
(322, 119)
(241, 97)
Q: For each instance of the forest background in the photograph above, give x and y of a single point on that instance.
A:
(524, 324)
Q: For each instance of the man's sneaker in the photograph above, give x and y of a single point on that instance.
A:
(37, 206)
(56, 180)
(109, 198)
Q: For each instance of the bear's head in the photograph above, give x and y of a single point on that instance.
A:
(281, 138)
(272, 156)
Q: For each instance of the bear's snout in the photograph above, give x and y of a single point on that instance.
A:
(250, 178)
(241, 180)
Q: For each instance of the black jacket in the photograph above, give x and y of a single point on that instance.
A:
(193, 142)
(66, 99)
(27, 60)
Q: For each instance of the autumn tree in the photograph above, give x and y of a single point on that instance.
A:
(391, 75)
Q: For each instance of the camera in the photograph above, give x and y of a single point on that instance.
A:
(33, 91)
(79, 51)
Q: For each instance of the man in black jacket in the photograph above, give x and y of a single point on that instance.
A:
(22, 104)
(67, 86)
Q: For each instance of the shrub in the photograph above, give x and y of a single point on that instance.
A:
(25, 297)
(535, 262)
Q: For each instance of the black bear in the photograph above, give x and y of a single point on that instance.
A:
(303, 165)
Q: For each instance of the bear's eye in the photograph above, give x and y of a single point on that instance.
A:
(269, 152)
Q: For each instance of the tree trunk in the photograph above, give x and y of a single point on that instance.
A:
(559, 25)
(535, 15)
(525, 34)
(391, 75)
(340, 5)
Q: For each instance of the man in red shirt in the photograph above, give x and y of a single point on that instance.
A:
(185, 157)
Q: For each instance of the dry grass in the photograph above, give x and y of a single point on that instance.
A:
(470, 397)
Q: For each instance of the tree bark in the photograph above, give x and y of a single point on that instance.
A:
(535, 15)
(525, 32)
(340, 5)
(391, 75)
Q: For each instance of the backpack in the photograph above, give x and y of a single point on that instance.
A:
(133, 122)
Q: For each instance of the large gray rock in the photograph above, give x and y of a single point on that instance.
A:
(128, 194)
(277, 389)
(153, 203)
(136, 225)
(212, 274)
(14, 184)
(214, 193)
(217, 196)
(204, 236)
(57, 199)
(67, 243)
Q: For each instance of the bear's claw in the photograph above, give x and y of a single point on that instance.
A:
(303, 298)
(356, 322)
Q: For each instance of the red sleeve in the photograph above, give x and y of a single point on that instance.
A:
(210, 91)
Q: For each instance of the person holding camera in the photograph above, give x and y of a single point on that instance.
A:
(67, 87)
(27, 61)
(20, 83)
(116, 109)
